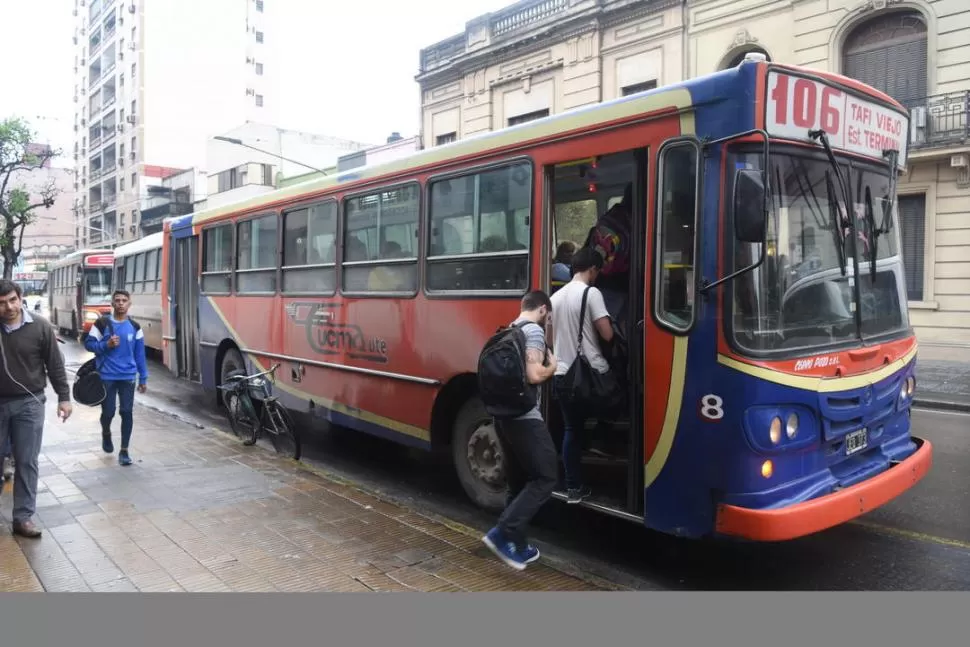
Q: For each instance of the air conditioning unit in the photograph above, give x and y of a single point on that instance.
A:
(133, 228)
(131, 45)
(130, 119)
(131, 8)
(121, 161)
(958, 161)
(121, 128)
(250, 92)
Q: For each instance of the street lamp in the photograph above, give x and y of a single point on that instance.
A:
(239, 142)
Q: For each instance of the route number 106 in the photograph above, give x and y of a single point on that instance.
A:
(806, 109)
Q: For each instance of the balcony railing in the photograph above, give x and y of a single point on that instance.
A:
(939, 120)
(517, 18)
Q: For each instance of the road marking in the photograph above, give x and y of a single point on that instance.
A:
(912, 534)
(944, 412)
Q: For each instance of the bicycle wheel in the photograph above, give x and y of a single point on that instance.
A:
(243, 425)
(282, 431)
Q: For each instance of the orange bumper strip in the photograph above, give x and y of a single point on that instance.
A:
(826, 511)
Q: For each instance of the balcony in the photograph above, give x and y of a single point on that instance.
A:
(939, 121)
(95, 11)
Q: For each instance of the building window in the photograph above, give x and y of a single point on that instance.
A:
(636, 88)
(259, 6)
(310, 250)
(380, 241)
(676, 222)
(121, 186)
(256, 263)
(216, 259)
(134, 183)
(229, 179)
(259, 100)
(888, 52)
(259, 69)
(529, 116)
(132, 73)
(912, 223)
(480, 231)
(259, 37)
(447, 138)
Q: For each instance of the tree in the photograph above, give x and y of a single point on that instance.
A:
(20, 155)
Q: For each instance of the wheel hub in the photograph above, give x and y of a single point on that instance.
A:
(485, 456)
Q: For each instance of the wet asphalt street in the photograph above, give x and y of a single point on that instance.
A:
(918, 542)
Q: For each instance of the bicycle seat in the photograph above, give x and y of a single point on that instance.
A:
(271, 399)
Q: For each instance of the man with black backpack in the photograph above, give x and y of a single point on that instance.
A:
(119, 342)
(511, 366)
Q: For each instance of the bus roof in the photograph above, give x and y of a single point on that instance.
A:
(151, 241)
(75, 256)
(676, 97)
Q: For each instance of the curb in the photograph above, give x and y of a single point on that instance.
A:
(941, 405)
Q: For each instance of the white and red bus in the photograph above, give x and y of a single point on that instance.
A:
(771, 359)
(80, 286)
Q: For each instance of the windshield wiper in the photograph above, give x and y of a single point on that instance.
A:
(822, 137)
(836, 227)
(874, 243)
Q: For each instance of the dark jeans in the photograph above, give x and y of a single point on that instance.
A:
(574, 435)
(530, 467)
(124, 392)
(22, 423)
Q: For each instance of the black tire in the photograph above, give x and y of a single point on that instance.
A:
(283, 432)
(478, 456)
(74, 329)
(243, 426)
(232, 362)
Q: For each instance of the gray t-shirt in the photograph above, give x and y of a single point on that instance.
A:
(535, 338)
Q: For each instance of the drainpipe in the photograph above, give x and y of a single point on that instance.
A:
(684, 17)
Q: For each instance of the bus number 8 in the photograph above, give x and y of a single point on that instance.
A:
(805, 104)
(712, 407)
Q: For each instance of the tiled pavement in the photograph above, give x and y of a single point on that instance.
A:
(200, 512)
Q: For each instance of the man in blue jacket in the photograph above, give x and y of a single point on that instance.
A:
(119, 344)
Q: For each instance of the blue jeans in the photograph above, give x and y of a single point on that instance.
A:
(124, 392)
(573, 439)
(22, 423)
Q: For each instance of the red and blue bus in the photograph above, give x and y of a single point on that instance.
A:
(770, 354)
(80, 286)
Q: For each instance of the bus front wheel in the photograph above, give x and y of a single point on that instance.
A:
(478, 456)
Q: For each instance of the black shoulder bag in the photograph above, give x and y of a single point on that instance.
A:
(593, 391)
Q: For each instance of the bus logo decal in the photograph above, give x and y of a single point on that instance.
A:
(330, 338)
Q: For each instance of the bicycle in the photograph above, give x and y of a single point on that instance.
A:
(249, 425)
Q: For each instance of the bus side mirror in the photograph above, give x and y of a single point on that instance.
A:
(750, 215)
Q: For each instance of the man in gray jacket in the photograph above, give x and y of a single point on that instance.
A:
(29, 354)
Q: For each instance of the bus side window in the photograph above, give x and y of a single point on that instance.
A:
(479, 234)
(380, 243)
(309, 244)
(676, 222)
(217, 260)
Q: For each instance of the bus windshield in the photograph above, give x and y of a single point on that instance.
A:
(802, 298)
(97, 285)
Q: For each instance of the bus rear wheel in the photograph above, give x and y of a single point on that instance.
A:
(478, 456)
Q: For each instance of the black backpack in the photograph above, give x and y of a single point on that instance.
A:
(502, 381)
(88, 388)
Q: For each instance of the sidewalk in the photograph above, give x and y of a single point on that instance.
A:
(942, 384)
(200, 512)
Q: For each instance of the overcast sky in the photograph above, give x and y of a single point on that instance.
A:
(378, 79)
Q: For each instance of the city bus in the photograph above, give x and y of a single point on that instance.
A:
(770, 358)
(137, 267)
(80, 290)
(34, 286)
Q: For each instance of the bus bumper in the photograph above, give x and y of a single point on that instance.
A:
(826, 511)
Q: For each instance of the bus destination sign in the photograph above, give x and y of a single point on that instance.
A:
(795, 105)
(99, 260)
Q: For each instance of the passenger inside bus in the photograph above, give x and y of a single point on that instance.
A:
(561, 272)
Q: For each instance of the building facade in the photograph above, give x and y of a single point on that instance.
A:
(51, 233)
(254, 157)
(153, 81)
(541, 57)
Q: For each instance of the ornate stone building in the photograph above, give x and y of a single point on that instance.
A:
(541, 57)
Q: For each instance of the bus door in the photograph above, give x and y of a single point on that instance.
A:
(184, 303)
(584, 192)
(668, 304)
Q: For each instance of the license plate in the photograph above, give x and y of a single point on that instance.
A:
(856, 441)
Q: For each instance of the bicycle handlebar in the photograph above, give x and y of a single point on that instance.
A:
(248, 378)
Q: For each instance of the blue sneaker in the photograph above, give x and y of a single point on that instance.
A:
(529, 553)
(504, 549)
(124, 458)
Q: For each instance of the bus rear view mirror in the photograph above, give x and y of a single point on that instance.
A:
(749, 207)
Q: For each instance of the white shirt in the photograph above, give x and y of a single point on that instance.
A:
(566, 305)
